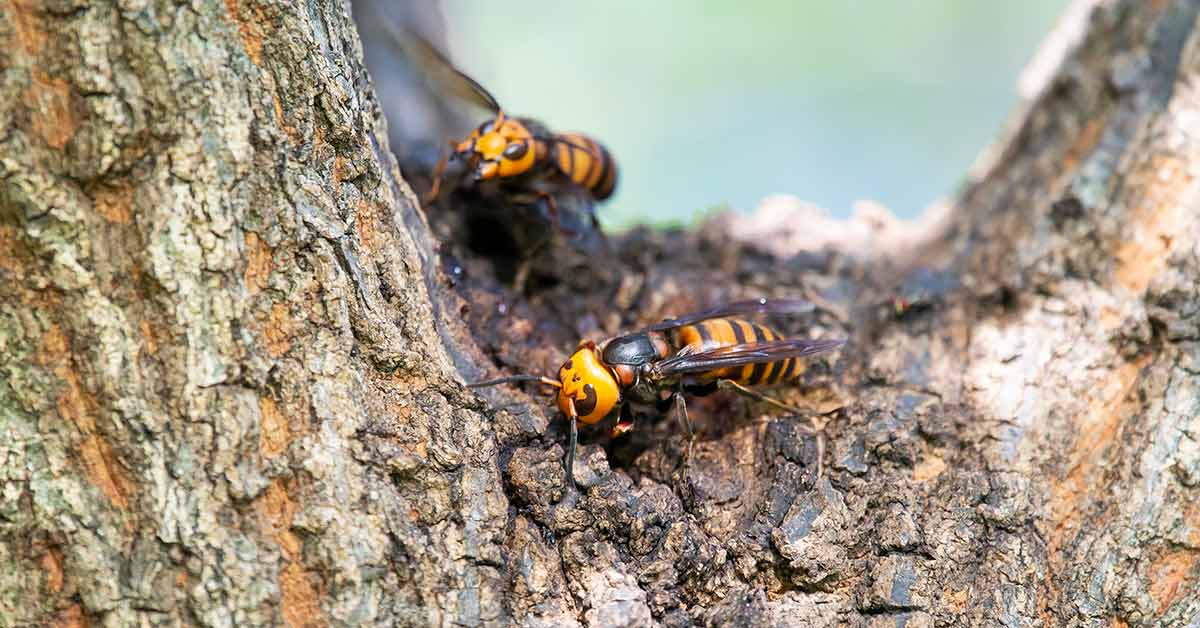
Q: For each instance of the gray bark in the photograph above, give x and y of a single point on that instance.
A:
(230, 364)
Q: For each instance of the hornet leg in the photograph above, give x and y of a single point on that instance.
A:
(525, 266)
(438, 172)
(522, 275)
(552, 210)
(625, 423)
(681, 412)
(812, 428)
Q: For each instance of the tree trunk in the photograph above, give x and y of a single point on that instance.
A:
(230, 390)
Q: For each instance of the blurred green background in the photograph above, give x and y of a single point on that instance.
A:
(707, 103)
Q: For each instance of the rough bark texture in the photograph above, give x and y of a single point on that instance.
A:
(231, 355)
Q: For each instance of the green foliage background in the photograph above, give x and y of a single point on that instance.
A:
(709, 102)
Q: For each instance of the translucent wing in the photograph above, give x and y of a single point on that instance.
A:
(753, 306)
(426, 58)
(738, 355)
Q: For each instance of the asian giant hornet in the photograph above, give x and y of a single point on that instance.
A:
(529, 162)
(694, 354)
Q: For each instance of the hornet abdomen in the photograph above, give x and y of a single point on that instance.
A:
(586, 162)
(729, 332)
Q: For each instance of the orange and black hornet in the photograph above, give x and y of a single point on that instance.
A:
(695, 354)
(527, 159)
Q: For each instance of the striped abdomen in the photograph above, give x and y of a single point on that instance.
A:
(586, 162)
(727, 332)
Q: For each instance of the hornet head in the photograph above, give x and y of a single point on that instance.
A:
(591, 384)
(502, 147)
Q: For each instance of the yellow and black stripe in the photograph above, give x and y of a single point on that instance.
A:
(587, 163)
(728, 332)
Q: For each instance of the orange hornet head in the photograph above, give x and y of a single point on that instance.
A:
(590, 383)
(502, 147)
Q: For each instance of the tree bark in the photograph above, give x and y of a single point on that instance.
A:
(232, 355)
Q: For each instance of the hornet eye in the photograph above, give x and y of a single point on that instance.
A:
(515, 150)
